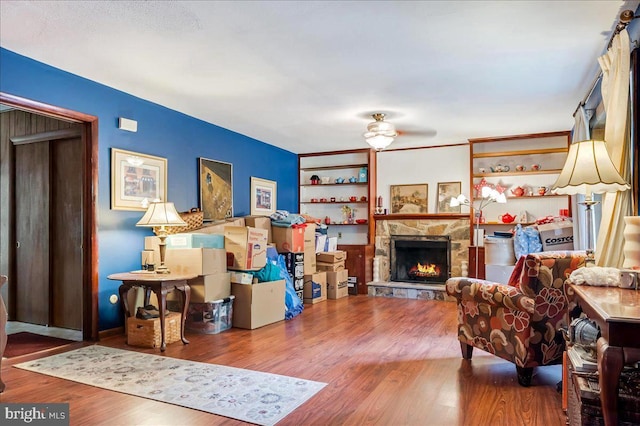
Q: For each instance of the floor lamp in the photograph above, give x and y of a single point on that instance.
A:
(589, 170)
(489, 196)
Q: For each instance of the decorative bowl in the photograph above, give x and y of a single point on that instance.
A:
(361, 221)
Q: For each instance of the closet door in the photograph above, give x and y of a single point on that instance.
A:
(32, 201)
(66, 233)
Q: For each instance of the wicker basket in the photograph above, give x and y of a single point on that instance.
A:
(194, 219)
(147, 334)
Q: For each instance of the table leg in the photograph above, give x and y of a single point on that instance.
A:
(123, 290)
(185, 293)
(610, 364)
(162, 301)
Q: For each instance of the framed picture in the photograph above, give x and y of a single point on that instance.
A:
(446, 191)
(263, 196)
(135, 178)
(409, 198)
(216, 189)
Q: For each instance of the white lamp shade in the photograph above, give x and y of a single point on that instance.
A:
(379, 142)
(589, 169)
(161, 214)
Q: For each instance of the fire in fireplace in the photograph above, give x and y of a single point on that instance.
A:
(420, 258)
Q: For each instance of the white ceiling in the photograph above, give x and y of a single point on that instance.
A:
(304, 75)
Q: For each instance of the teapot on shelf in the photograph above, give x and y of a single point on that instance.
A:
(507, 218)
(518, 191)
(499, 168)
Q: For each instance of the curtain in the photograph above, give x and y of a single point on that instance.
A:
(615, 95)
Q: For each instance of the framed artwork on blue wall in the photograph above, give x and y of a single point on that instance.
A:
(136, 179)
(216, 189)
(263, 197)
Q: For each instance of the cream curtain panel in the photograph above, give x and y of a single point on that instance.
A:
(615, 95)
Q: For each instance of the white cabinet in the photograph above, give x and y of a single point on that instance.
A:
(532, 162)
(344, 186)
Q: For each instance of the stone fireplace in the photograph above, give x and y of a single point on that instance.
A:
(450, 230)
(420, 258)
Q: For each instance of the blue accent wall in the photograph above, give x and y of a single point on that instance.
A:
(162, 132)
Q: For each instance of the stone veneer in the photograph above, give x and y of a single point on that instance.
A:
(456, 228)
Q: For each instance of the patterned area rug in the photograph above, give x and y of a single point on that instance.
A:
(246, 395)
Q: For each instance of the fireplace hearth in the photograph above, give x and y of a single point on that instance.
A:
(420, 258)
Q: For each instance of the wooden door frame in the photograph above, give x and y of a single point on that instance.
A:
(89, 195)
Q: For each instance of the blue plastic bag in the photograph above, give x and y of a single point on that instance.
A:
(527, 240)
(293, 304)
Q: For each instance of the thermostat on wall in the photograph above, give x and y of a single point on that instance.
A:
(127, 124)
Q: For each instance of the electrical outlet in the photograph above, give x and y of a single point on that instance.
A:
(339, 234)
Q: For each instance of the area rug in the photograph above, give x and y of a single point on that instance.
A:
(25, 342)
(250, 396)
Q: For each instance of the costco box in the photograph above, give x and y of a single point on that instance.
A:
(260, 222)
(208, 288)
(331, 256)
(315, 288)
(556, 236)
(337, 284)
(338, 266)
(288, 239)
(257, 305)
(248, 246)
(210, 317)
(197, 261)
(195, 241)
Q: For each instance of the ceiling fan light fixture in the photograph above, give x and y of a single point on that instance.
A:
(379, 133)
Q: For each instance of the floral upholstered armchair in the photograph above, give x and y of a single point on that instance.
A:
(519, 321)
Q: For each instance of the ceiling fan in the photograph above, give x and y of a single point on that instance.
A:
(380, 134)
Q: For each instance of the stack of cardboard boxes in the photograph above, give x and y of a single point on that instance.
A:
(297, 244)
(333, 264)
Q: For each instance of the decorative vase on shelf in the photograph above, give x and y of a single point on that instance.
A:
(631, 248)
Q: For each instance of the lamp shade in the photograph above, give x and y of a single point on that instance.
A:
(379, 142)
(161, 214)
(589, 169)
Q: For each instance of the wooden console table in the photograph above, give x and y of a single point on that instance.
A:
(616, 311)
(160, 284)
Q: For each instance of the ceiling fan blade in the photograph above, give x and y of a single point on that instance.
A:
(426, 133)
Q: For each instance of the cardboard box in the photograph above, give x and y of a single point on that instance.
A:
(195, 241)
(211, 317)
(309, 260)
(310, 235)
(338, 266)
(288, 239)
(208, 288)
(241, 277)
(248, 246)
(260, 222)
(352, 284)
(197, 261)
(295, 264)
(218, 227)
(337, 284)
(556, 236)
(315, 288)
(257, 305)
(332, 256)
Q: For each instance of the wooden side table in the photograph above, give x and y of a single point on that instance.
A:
(616, 311)
(160, 284)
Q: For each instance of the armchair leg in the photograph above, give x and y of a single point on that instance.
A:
(467, 350)
(524, 376)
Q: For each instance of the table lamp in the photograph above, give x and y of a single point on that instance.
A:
(589, 170)
(161, 215)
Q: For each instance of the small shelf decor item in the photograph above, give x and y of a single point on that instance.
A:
(216, 189)
(263, 197)
(136, 179)
(409, 198)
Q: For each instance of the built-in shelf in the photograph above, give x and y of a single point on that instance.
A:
(419, 216)
(520, 152)
(516, 173)
(334, 202)
(347, 183)
(343, 166)
(530, 196)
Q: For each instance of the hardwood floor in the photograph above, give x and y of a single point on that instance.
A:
(386, 361)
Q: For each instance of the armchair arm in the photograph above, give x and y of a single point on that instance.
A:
(474, 290)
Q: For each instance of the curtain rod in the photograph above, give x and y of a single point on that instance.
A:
(625, 18)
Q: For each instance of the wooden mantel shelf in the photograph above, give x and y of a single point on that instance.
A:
(421, 216)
